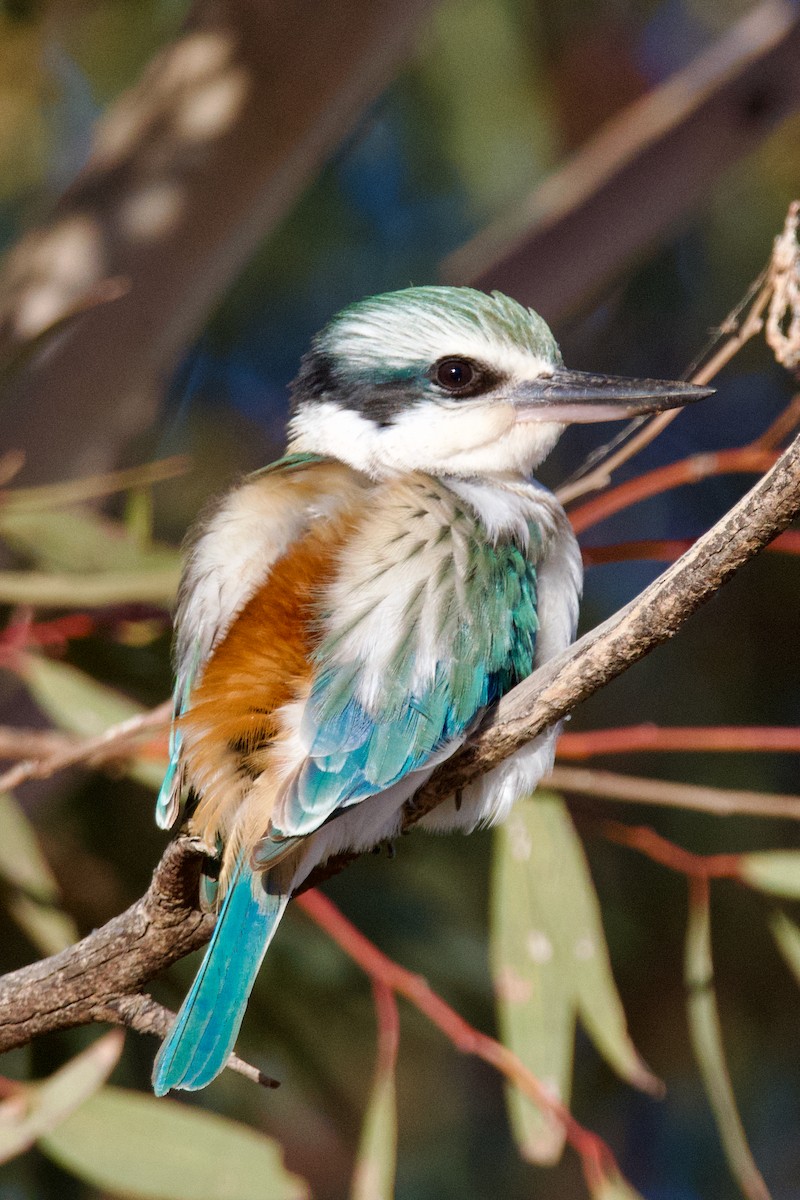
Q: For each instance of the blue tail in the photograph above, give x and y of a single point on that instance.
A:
(198, 1044)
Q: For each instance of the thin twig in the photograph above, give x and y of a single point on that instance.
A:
(94, 487)
(112, 744)
(649, 737)
(145, 1015)
(668, 549)
(666, 853)
(722, 802)
(742, 460)
(753, 323)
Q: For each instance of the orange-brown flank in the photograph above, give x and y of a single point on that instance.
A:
(262, 663)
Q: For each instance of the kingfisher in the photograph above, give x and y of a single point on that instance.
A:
(347, 614)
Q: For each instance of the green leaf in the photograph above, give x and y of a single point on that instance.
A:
(83, 542)
(80, 705)
(50, 929)
(73, 700)
(773, 871)
(47, 496)
(787, 937)
(36, 1109)
(706, 1036)
(535, 1002)
(376, 1161)
(34, 899)
(550, 964)
(136, 1146)
(22, 863)
(41, 590)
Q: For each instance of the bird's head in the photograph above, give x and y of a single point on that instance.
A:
(451, 381)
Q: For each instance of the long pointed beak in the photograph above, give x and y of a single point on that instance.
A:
(580, 397)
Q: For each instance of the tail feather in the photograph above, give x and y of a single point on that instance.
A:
(199, 1042)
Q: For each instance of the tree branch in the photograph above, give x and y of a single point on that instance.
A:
(94, 980)
(652, 162)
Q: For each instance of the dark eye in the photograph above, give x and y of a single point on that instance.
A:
(455, 374)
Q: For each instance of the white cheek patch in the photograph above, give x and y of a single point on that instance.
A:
(429, 436)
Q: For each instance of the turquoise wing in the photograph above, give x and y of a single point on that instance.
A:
(356, 750)
(168, 804)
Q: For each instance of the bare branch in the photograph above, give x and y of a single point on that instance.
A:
(91, 980)
(722, 802)
(146, 1015)
(653, 163)
(112, 744)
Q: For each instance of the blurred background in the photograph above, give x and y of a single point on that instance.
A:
(622, 165)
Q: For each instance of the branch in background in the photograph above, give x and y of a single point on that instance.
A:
(667, 853)
(630, 789)
(652, 162)
(634, 739)
(744, 460)
(668, 549)
(190, 171)
(113, 744)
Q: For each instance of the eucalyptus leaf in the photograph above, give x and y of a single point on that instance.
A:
(535, 1001)
(42, 590)
(551, 964)
(787, 937)
(34, 898)
(376, 1161)
(131, 1145)
(50, 929)
(80, 541)
(706, 1036)
(613, 1187)
(773, 871)
(22, 863)
(36, 1109)
(73, 700)
(80, 705)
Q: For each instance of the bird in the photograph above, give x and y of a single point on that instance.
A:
(348, 614)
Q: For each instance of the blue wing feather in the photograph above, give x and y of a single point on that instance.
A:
(355, 753)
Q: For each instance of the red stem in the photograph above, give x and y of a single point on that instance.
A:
(744, 460)
(633, 738)
(702, 867)
(596, 1157)
(667, 550)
